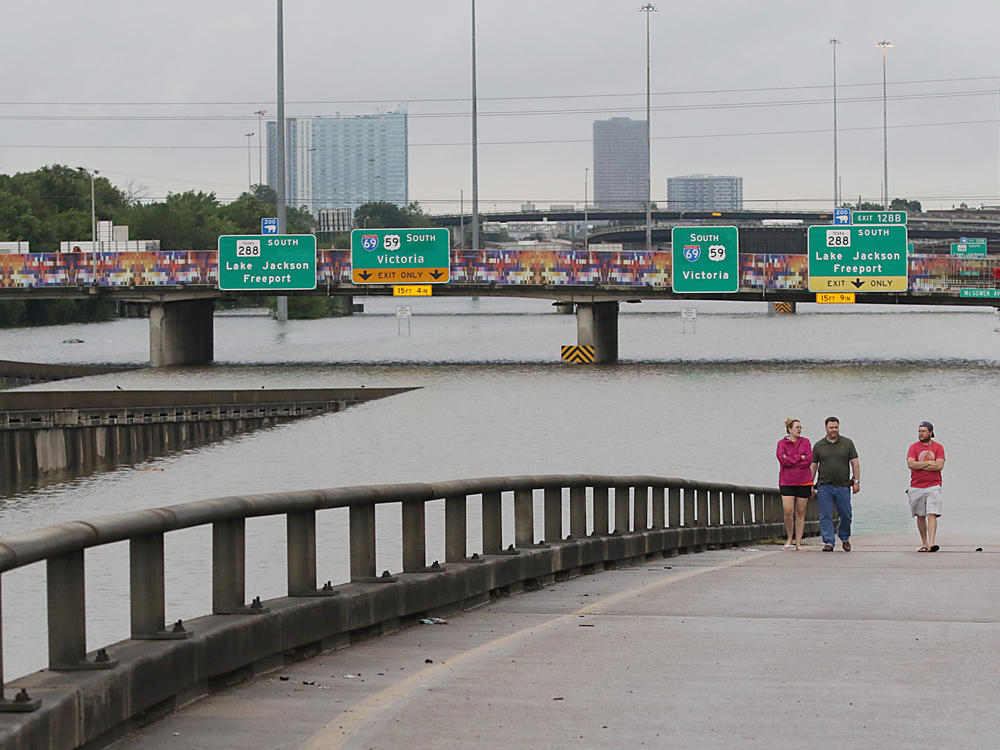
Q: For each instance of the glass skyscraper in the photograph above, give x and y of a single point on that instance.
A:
(342, 162)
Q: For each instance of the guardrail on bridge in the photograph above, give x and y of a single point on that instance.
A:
(587, 523)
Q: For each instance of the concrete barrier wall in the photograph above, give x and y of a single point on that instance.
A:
(153, 677)
(45, 434)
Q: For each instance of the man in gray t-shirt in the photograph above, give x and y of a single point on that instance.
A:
(836, 475)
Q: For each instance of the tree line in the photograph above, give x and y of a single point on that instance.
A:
(53, 204)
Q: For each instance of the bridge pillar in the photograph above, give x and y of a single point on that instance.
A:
(781, 308)
(181, 333)
(597, 326)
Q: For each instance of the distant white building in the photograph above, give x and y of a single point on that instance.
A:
(705, 192)
(110, 239)
(334, 220)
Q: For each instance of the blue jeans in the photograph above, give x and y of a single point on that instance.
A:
(827, 495)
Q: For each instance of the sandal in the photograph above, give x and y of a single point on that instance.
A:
(787, 546)
(923, 549)
(934, 548)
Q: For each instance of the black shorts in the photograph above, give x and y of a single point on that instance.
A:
(797, 490)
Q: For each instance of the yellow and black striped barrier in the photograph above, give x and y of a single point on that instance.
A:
(581, 355)
(784, 307)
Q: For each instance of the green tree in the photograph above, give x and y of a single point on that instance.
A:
(184, 221)
(382, 214)
(901, 204)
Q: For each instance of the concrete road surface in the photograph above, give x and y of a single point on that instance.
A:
(759, 647)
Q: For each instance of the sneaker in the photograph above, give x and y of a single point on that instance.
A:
(846, 545)
(828, 548)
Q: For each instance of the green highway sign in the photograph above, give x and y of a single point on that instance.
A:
(705, 260)
(991, 293)
(969, 247)
(858, 258)
(400, 256)
(878, 217)
(275, 262)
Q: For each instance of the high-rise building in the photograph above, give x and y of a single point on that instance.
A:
(621, 170)
(705, 192)
(342, 162)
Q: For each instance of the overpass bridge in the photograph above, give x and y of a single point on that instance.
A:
(182, 286)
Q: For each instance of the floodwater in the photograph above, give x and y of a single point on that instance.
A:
(704, 401)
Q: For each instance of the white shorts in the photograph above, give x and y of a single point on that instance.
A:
(925, 501)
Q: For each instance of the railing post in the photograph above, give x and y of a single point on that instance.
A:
(578, 512)
(455, 529)
(744, 510)
(600, 496)
(229, 567)
(621, 510)
(659, 507)
(702, 511)
(640, 508)
(727, 508)
(714, 508)
(758, 506)
(300, 542)
(553, 513)
(524, 522)
(67, 615)
(362, 523)
(146, 588)
(414, 537)
(492, 524)
(772, 508)
(674, 510)
(690, 500)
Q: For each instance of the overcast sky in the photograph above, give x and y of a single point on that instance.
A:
(158, 96)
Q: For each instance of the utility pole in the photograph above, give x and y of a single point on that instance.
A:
(884, 44)
(475, 142)
(836, 180)
(281, 313)
(647, 9)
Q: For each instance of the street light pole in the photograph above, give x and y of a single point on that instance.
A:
(281, 311)
(647, 9)
(836, 179)
(884, 44)
(475, 142)
(93, 227)
(249, 168)
(260, 145)
(586, 174)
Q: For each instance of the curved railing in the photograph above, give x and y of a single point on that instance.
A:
(586, 521)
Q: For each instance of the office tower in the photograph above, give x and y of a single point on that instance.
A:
(705, 192)
(621, 171)
(342, 162)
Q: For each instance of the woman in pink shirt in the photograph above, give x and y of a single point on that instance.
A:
(794, 455)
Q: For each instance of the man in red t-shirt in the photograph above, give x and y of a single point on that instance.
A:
(925, 459)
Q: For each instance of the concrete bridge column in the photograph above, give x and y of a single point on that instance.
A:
(597, 326)
(181, 333)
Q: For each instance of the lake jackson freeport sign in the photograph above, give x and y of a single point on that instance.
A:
(267, 262)
(867, 255)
